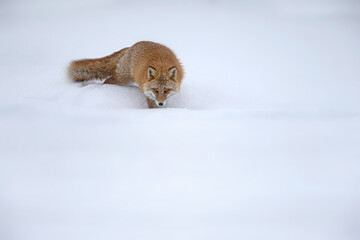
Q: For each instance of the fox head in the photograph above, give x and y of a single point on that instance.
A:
(161, 84)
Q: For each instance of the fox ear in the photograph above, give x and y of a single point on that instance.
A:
(173, 73)
(151, 72)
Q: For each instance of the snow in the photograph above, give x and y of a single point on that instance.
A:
(262, 143)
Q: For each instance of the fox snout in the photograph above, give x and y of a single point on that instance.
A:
(160, 102)
(159, 98)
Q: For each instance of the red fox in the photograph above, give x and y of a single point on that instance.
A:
(153, 67)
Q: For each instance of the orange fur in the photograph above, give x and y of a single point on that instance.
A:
(152, 66)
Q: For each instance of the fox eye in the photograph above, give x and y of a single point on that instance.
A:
(155, 90)
(166, 90)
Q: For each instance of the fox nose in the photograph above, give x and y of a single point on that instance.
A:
(160, 104)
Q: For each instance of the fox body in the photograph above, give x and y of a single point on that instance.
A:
(153, 67)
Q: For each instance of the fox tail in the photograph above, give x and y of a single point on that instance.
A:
(98, 68)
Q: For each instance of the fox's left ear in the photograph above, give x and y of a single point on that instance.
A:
(173, 73)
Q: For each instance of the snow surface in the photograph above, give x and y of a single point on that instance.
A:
(262, 143)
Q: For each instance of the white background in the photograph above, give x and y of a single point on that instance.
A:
(262, 143)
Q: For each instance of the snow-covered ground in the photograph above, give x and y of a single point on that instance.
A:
(262, 143)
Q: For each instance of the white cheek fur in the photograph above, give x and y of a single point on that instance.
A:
(150, 95)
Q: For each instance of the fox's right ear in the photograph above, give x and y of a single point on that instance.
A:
(151, 72)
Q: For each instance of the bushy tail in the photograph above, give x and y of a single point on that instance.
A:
(98, 68)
